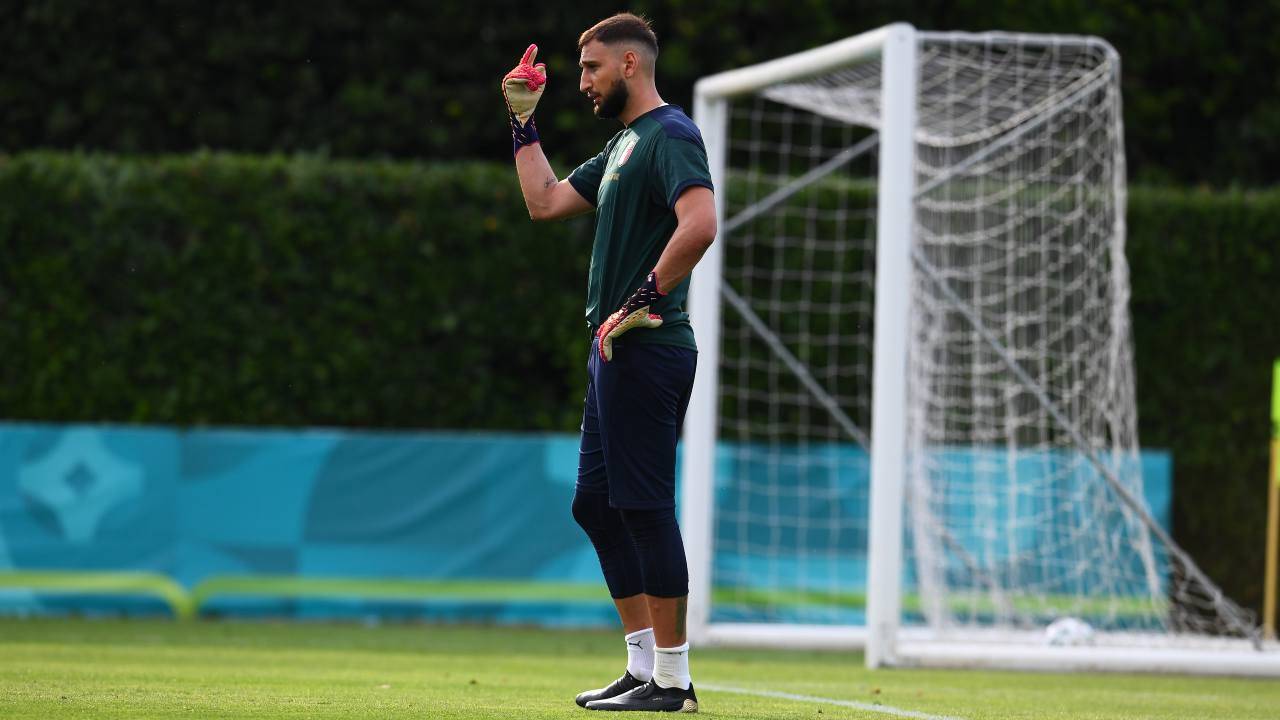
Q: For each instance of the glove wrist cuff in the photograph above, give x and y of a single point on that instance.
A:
(522, 134)
(651, 283)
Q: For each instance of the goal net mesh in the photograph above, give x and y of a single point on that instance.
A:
(1025, 494)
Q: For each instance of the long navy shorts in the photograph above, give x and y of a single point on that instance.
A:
(633, 411)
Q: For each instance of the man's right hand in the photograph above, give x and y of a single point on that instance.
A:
(522, 88)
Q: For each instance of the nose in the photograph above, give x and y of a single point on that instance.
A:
(583, 84)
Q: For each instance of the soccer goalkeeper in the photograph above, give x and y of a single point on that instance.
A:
(655, 217)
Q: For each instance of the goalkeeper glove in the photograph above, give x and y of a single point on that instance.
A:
(522, 88)
(633, 313)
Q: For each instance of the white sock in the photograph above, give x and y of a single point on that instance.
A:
(640, 654)
(671, 667)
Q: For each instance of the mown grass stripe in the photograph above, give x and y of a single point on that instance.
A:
(869, 707)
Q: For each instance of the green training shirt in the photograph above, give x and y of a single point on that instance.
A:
(634, 184)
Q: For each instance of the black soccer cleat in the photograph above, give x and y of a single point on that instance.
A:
(626, 683)
(651, 697)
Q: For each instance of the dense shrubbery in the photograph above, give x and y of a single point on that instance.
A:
(1206, 323)
(222, 289)
(214, 289)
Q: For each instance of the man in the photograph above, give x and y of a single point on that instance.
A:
(655, 217)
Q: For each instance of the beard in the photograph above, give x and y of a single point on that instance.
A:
(613, 102)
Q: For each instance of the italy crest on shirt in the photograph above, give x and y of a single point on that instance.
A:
(626, 151)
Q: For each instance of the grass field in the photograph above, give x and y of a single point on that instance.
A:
(152, 669)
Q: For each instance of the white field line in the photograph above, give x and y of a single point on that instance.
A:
(869, 707)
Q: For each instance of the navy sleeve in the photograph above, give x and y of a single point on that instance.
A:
(681, 163)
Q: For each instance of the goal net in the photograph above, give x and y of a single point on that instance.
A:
(917, 367)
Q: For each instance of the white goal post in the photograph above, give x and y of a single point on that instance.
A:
(914, 427)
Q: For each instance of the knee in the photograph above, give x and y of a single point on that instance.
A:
(591, 511)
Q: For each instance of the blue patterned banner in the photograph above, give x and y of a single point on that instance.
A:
(312, 522)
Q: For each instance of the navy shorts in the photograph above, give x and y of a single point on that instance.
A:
(630, 423)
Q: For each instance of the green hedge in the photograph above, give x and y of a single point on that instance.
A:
(215, 289)
(1205, 271)
(230, 290)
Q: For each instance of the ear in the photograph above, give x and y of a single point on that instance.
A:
(630, 63)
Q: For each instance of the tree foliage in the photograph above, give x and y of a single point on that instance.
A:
(420, 79)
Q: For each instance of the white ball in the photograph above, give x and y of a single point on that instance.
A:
(1068, 631)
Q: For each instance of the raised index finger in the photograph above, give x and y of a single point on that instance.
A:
(529, 55)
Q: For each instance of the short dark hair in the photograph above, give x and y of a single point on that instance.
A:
(622, 27)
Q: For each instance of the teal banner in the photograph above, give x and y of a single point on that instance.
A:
(216, 504)
(328, 523)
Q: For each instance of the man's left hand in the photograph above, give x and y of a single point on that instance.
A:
(634, 313)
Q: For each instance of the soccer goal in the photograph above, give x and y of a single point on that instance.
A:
(914, 427)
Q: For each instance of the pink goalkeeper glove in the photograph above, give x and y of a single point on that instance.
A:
(522, 88)
(634, 313)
